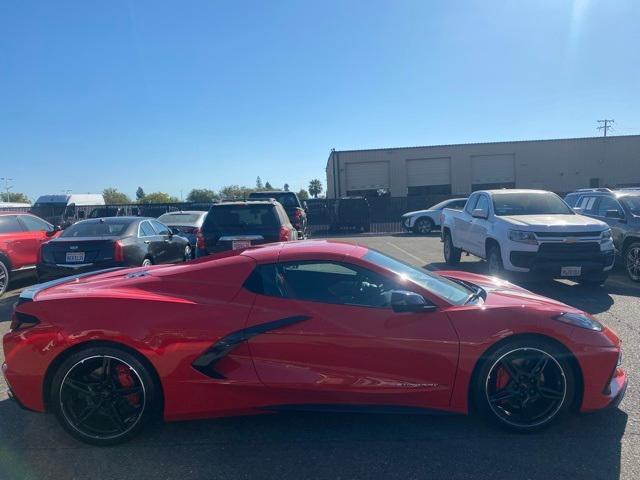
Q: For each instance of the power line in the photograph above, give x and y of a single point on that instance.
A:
(6, 181)
(606, 125)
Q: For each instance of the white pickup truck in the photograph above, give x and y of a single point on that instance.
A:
(529, 231)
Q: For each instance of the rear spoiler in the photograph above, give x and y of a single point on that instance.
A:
(29, 293)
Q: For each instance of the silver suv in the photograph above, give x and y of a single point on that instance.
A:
(620, 209)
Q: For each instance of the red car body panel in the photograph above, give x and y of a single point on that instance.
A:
(21, 248)
(339, 354)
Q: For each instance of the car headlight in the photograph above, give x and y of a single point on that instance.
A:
(580, 320)
(523, 237)
(605, 235)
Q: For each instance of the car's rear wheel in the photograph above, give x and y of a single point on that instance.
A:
(451, 253)
(147, 262)
(102, 395)
(632, 261)
(525, 385)
(423, 226)
(4, 277)
(187, 253)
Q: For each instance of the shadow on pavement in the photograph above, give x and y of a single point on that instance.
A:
(299, 446)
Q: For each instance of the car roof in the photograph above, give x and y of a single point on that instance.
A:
(513, 190)
(122, 219)
(263, 201)
(186, 212)
(271, 192)
(271, 252)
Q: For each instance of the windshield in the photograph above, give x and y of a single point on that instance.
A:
(242, 216)
(451, 291)
(632, 203)
(95, 229)
(179, 218)
(285, 199)
(530, 204)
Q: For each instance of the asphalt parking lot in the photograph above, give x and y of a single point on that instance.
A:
(604, 445)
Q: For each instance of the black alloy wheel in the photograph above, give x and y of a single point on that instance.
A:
(102, 396)
(4, 278)
(631, 261)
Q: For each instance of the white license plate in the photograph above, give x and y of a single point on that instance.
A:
(570, 271)
(75, 257)
(240, 244)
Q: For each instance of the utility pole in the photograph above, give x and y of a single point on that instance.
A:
(606, 125)
(6, 181)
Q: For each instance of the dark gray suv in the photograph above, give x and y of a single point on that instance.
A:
(621, 210)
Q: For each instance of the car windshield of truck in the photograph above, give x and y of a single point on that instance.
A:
(179, 218)
(632, 203)
(451, 291)
(529, 204)
(48, 209)
(242, 216)
(95, 229)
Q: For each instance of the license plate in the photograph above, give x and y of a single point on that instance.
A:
(570, 271)
(75, 257)
(240, 244)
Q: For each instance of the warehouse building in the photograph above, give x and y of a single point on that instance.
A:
(560, 165)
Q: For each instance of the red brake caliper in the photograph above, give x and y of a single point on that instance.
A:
(126, 381)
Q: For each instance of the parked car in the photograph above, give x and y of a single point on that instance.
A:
(187, 224)
(100, 243)
(620, 209)
(529, 231)
(241, 224)
(65, 210)
(351, 212)
(273, 329)
(296, 210)
(21, 235)
(424, 221)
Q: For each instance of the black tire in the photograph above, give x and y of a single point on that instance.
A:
(423, 226)
(494, 262)
(528, 403)
(5, 274)
(631, 259)
(96, 405)
(451, 254)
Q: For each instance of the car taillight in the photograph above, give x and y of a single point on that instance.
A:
(118, 251)
(22, 321)
(200, 242)
(284, 234)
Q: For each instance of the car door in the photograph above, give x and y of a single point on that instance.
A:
(342, 343)
(462, 223)
(617, 224)
(153, 243)
(169, 247)
(479, 227)
(36, 234)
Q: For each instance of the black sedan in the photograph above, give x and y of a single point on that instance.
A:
(110, 242)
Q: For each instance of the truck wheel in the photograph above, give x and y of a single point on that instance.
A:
(631, 261)
(451, 254)
(494, 262)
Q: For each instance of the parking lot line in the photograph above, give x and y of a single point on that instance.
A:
(421, 260)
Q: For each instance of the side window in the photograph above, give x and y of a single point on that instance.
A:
(587, 204)
(482, 203)
(608, 203)
(471, 203)
(459, 205)
(10, 224)
(34, 224)
(159, 228)
(146, 230)
(336, 283)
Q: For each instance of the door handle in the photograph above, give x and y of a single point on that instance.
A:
(147, 242)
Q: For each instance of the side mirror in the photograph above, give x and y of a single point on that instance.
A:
(479, 213)
(173, 231)
(405, 301)
(56, 229)
(614, 214)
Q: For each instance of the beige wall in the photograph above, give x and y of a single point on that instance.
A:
(557, 165)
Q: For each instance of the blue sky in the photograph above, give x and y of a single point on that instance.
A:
(174, 95)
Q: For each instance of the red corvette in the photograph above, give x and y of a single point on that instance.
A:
(303, 325)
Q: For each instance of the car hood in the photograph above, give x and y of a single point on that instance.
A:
(555, 222)
(419, 212)
(503, 293)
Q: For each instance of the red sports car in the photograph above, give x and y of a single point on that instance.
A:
(301, 325)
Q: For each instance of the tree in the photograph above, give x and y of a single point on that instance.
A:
(139, 194)
(113, 196)
(315, 187)
(286, 187)
(267, 186)
(235, 191)
(14, 197)
(303, 194)
(259, 183)
(202, 195)
(159, 197)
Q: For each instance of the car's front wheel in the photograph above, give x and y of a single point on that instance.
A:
(103, 395)
(4, 277)
(187, 253)
(632, 261)
(423, 226)
(525, 384)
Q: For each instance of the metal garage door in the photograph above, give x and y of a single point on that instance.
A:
(492, 171)
(431, 171)
(367, 176)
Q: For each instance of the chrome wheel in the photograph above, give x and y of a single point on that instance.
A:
(632, 262)
(147, 262)
(424, 226)
(4, 278)
(187, 253)
(526, 388)
(102, 397)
